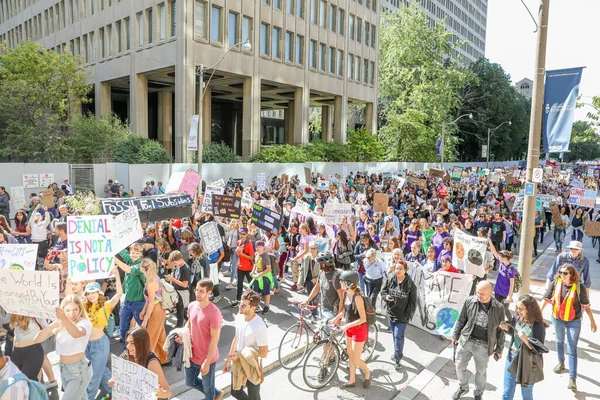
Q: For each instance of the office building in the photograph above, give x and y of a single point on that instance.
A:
(143, 58)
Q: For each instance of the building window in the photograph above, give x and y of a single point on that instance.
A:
(312, 61)
(84, 53)
(367, 31)
(351, 26)
(340, 62)
(299, 50)
(233, 29)
(358, 29)
(372, 73)
(314, 8)
(109, 40)
(150, 25)
(127, 35)
(92, 46)
(215, 24)
(331, 61)
(140, 22)
(289, 46)
(162, 21)
(340, 21)
(289, 7)
(373, 36)
(246, 29)
(365, 70)
(356, 68)
(350, 67)
(322, 55)
(101, 44)
(277, 4)
(299, 8)
(265, 2)
(200, 20)
(323, 14)
(264, 39)
(332, 16)
(173, 11)
(276, 38)
(119, 37)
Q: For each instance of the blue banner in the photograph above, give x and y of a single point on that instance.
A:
(562, 89)
(438, 148)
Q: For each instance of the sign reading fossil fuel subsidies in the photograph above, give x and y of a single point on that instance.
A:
(18, 256)
(30, 293)
(127, 228)
(132, 381)
(90, 247)
(468, 253)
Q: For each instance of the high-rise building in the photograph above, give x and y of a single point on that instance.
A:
(144, 59)
(467, 19)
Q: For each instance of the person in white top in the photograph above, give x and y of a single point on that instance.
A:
(250, 331)
(16, 391)
(72, 330)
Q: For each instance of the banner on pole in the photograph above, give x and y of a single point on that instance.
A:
(18, 256)
(90, 247)
(192, 144)
(30, 293)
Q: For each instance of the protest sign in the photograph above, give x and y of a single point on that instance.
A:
(189, 184)
(237, 181)
(468, 253)
(266, 219)
(175, 182)
(422, 183)
(210, 237)
(90, 247)
(592, 228)
(31, 181)
(307, 176)
(246, 199)
(436, 173)
(261, 181)
(386, 257)
(380, 202)
(495, 177)
(46, 180)
(30, 293)
(334, 212)
(208, 194)
(18, 197)
(302, 212)
(440, 297)
(583, 198)
(145, 203)
(132, 381)
(576, 184)
(457, 173)
(18, 256)
(226, 206)
(48, 198)
(556, 217)
(127, 228)
(387, 176)
(323, 185)
(516, 173)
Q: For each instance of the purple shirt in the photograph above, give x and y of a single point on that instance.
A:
(411, 237)
(437, 241)
(505, 273)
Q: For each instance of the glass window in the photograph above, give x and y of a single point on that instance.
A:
(323, 14)
(373, 36)
(162, 20)
(313, 11)
(332, 16)
(299, 50)
(340, 21)
(331, 61)
(299, 8)
(322, 55)
(289, 46)
(150, 25)
(340, 62)
(119, 37)
(92, 46)
(372, 72)
(350, 66)
(265, 2)
(277, 4)
(289, 7)
(365, 70)
(358, 29)
(351, 26)
(140, 22)
(173, 10)
(311, 54)
(215, 23)
(101, 39)
(356, 68)
(127, 35)
(276, 38)
(367, 30)
(264, 39)
(246, 29)
(233, 29)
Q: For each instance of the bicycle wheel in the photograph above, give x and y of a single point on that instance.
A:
(321, 364)
(293, 346)
(370, 344)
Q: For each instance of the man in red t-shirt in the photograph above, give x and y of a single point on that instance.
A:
(245, 252)
(204, 322)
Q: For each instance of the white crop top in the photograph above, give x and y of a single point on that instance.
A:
(66, 345)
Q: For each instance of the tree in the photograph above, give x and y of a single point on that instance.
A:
(217, 152)
(362, 145)
(416, 76)
(319, 150)
(585, 142)
(46, 90)
(95, 139)
(280, 154)
(138, 150)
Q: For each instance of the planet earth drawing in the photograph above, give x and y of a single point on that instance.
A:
(475, 257)
(445, 320)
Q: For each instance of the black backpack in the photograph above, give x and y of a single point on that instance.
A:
(369, 309)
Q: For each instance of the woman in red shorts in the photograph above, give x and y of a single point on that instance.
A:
(355, 327)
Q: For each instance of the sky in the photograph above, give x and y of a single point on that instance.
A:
(572, 40)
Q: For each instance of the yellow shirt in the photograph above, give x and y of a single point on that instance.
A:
(97, 315)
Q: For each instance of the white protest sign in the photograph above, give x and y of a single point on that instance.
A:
(90, 247)
(174, 182)
(341, 193)
(208, 193)
(386, 257)
(219, 183)
(46, 180)
(30, 293)
(440, 297)
(323, 185)
(261, 181)
(576, 184)
(31, 181)
(246, 199)
(583, 197)
(210, 237)
(516, 173)
(18, 197)
(334, 212)
(18, 256)
(127, 228)
(468, 253)
(132, 381)
(302, 213)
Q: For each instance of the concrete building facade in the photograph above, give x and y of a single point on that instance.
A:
(144, 58)
(466, 18)
(525, 87)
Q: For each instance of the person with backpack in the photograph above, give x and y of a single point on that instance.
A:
(400, 293)
(505, 282)
(153, 314)
(354, 317)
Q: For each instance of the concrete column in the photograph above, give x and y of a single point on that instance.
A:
(139, 104)
(102, 98)
(326, 126)
(207, 116)
(185, 102)
(288, 123)
(251, 111)
(301, 110)
(165, 122)
(340, 118)
(371, 117)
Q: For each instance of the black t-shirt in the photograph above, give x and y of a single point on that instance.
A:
(182, 274)
(480, 329)
(115, 189)
(423, 214)
(497, 227)
(329, 284)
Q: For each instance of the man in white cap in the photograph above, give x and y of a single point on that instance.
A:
(574, 257)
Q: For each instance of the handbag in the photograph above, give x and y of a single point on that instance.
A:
(110, 328)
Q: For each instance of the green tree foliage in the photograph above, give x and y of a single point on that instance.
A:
(326, 151)
(416, 76)
(138, 150)
(41, 92)
(492, 100)
(95, 139)
(585, 142)
(362, 146)
(284, 153)
(217, 153)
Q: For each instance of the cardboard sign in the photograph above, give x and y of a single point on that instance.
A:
(46, 180)
(380, 202)
(90, 247)
(17, 194)
(436, 173)
(335, 212)
(144, 203)
(592, 228)
(457, 173)
(127, 228)
(440, 297)
(210, 237)
(48, 198)
(556, 217)
(307, 176)
(189, 183)
(31, 181)
(583, 198)
(226, 206)
(132, 381)
(468, 253)
(18, 256)
(208, 194)
(266, 219)
(30, 293)
(261, 181)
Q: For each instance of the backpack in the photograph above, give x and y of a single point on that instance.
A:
(170, 297)
(518, 281)
(36, 389)
(369, 309)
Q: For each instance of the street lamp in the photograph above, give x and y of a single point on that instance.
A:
(490, 132)
(201, 90)
(444, 132)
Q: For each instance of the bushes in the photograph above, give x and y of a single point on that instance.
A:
(138, 150)
(280, 154)
(217, 153)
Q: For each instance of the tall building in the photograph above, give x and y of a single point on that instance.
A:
(145, 57)
(525, 87)
(466, 18)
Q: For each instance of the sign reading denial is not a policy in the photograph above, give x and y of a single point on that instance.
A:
(90, 247)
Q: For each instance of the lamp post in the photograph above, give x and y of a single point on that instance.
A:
(201, 90)
(490, 133)
(444, 133)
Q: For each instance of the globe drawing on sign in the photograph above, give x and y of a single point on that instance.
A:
(445, 320)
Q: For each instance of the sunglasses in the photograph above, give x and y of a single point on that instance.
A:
(564, 273)
(348, 283)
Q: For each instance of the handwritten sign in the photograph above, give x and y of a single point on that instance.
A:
(335, 212)
(583, 197)
(266, 219)
(145, 203)
(190, 182)
(127, 228)
(323, 185)
(90, 247)
(31, 293)
(436, 173)
(468, 253)
(261, 181)
(208, 194)
(246, 199)
(440, 297)
(18, 256)
(457, 173)
(18, 197)
(210, 237)
(31, 181)
(380, 202)
(48, 198)
(132, 381)
(46, 180)
(226, 206)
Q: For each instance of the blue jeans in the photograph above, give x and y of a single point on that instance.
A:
(577, 234)
(233, 264)
(361, 282)
(559, 236)
(97, 352)
(75, 378)
(206, 384)
(130, 309)
(573, 329)
(510, 383)
(398, 329)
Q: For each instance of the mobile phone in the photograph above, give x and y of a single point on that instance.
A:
(496, 356)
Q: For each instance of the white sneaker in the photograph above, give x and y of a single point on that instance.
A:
(50, 385)
(230, 286)
(216, 299)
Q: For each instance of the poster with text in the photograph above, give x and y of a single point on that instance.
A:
(127, 228)
(31, 181)
(30, 293)
(189, 183)
(208, 194)
(583, 198)
(261, 181)
(18, 256)
(174, 182)
(46, 180)
(90, 247)
(226, 206)
(17, 194)
(247, 199)
(468, 254)
(132, 381)
(457, 173)
(335, 212)
(380, 202)
(210, 237)
(265, 218)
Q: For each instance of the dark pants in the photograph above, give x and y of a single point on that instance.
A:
(180, 311)
(29, 360)
(373, 286)
(240, 282)
(10, 334)
(42, 249)
(509, 242)
(253, 392)
(535, 241)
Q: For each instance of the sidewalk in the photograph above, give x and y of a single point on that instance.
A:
(439, 381)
